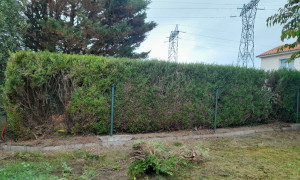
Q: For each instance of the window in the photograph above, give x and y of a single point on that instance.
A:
(286, 65)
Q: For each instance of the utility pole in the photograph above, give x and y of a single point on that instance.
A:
(173, 45)
(246, 51)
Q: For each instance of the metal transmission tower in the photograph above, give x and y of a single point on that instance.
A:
(246, 51)
(173, 45)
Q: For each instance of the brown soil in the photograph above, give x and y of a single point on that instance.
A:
(56, 140)
(4, 154)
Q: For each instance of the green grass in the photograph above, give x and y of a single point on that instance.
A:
(27, 170)
(251, 163)
(261, 156)
(268, 156)
(63, 165)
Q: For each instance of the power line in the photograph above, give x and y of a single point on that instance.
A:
(191, 3)
(219, 38)
(212, 37)
(210, 43)
(200, 17)
(204, 28)
(223, 4)
(193, 8)
(196, 8)
(197, 17)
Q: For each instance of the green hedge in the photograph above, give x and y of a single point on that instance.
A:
(151, 96)
(284, 85)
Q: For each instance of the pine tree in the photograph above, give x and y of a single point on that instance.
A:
(100, 27)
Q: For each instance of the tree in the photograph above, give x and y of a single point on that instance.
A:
(100, 27)
(289, 17)
(12, 27)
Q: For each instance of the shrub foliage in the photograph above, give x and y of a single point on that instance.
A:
(150, 95)
(156, 158)
(284, 85)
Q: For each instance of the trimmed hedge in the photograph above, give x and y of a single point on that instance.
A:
(284, 85)
(151, 96)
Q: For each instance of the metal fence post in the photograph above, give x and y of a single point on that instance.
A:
(216, 108)
(112, 109)
(297, 121)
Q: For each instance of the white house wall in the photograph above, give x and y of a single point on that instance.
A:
(273, 62)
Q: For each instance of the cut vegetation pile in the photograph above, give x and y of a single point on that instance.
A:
(45, 92)
(155, 158)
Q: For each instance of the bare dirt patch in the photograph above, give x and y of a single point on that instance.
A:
(4, 154)
(65, 140)
(56, 141)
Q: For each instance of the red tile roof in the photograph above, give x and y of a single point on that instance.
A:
(274, 51)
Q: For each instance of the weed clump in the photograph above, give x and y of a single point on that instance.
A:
(153, 158)
(178, 144)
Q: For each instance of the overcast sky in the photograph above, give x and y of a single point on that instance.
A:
(211, 35)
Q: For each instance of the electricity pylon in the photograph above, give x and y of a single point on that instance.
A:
(246, 51)
(173, 45)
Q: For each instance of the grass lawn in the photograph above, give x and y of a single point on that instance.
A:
(274, 155)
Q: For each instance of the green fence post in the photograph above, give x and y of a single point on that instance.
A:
(112, 109)
(297, 121)
(216, 108)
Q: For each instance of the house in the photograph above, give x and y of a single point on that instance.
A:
(274, 60)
